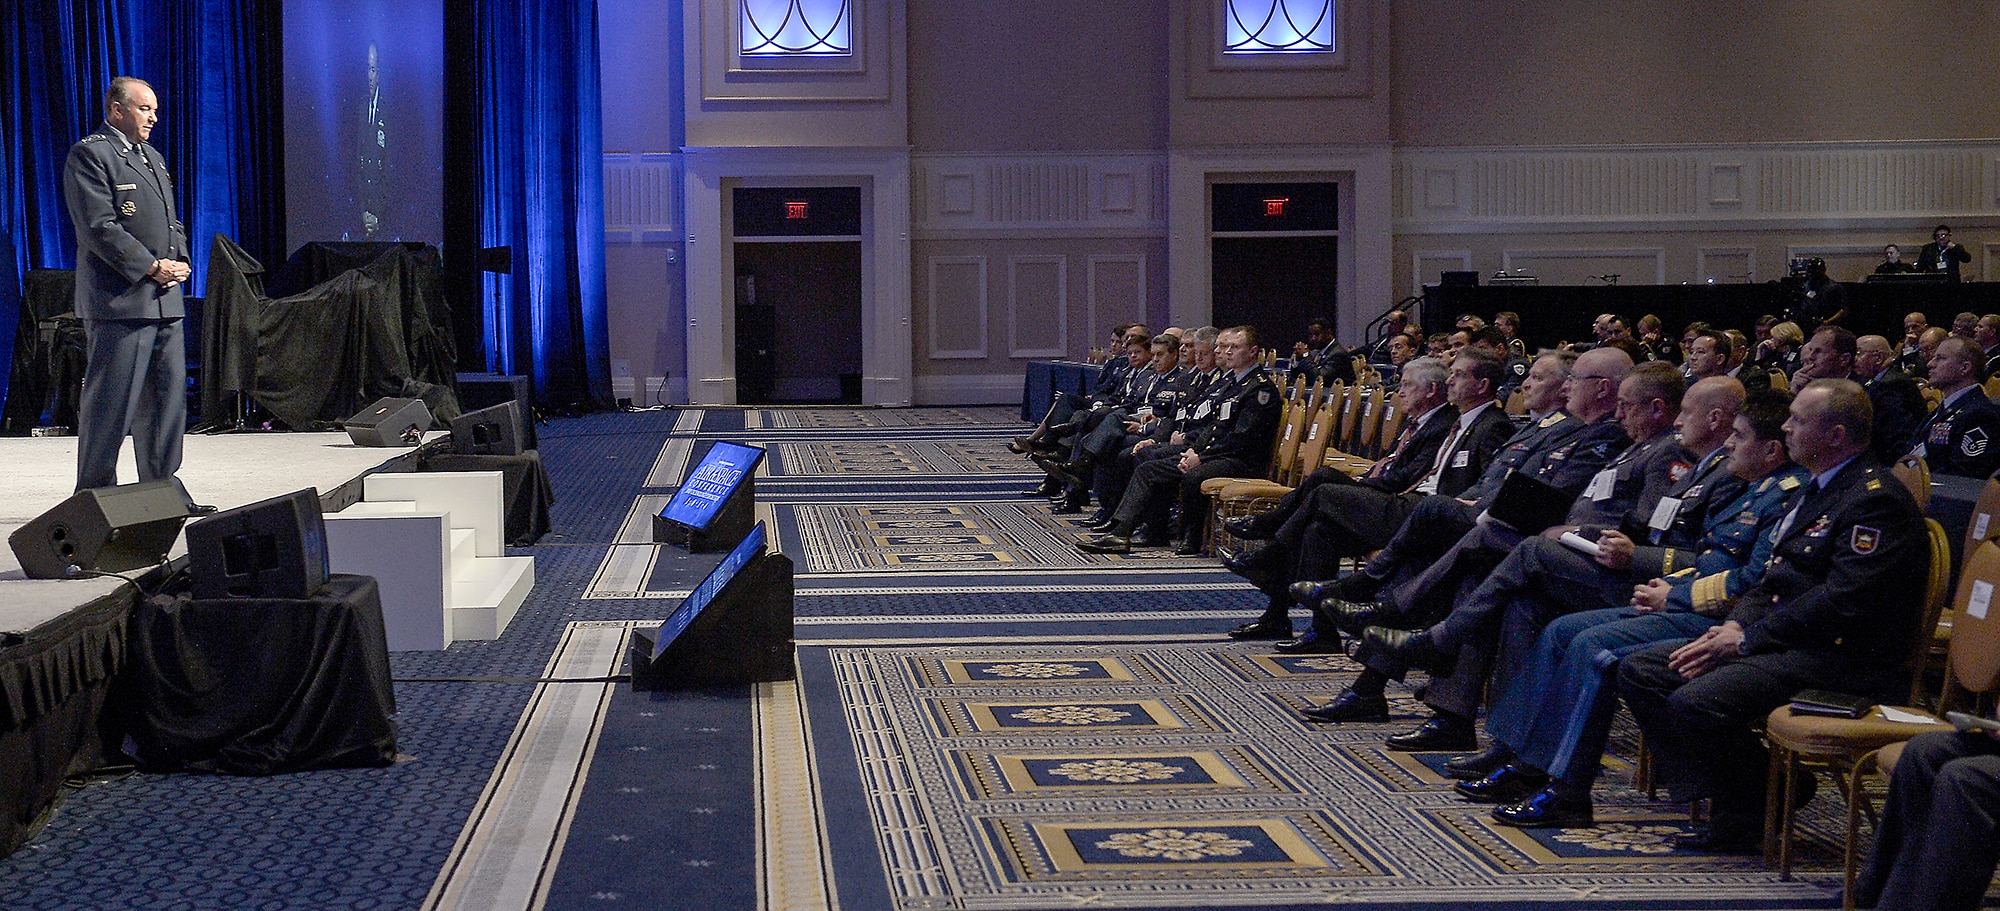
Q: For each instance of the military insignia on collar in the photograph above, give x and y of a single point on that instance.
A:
(1679, 470)
(1820, 527)
(1552, 420)
(1264, 397)
(1873, 484)
(1864, 539)
(129, 209)
(1788, 484)
(1974, 443)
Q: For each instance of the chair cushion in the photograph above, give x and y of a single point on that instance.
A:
(1212, 486)
(1817, 735)
(1251, 490)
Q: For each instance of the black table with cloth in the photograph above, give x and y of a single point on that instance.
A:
(54, 682)
(1046, 378)
(376, 326)
(256, 686)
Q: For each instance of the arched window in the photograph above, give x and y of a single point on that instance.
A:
(1278, 26)
(794, 28)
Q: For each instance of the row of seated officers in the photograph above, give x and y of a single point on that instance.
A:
(1727, 545)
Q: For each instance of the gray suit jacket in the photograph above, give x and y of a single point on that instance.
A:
(123, 211)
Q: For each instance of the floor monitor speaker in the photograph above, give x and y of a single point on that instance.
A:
(105, 529)
(272, 549)
(389, 422)
(489, 431)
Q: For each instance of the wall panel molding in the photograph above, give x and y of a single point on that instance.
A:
(980, 195)
(642, 196)
(956, 297)
(1037, 306)
(1425, 266)
(1625, 188)
(1114, 292)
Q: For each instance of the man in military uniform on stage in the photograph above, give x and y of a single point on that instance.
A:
(1237, 443)
(132, 261)
(1962, 436)
(1836, 610)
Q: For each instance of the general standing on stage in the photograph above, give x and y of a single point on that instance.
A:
(132, 258)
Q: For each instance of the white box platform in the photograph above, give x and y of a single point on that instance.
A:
(433, 541)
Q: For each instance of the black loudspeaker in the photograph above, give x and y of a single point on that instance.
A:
(389, 422)
(272, 549)
(107, 529)
(744, 635)
(488, 431)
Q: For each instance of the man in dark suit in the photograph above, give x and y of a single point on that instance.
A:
(132, 259)
(1452, 429)
(372, 152)
(1836, 610)
(1942, 254)
(1899, 405)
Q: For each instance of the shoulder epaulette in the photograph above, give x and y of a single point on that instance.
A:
(1552, 420)
(1788, 484)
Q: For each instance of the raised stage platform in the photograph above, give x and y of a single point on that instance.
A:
(223, 470)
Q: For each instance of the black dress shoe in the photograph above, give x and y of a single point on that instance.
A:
(1022, 445)
(200, 509)
(1096, 524)
(1474, 766)
(1263, 628)
(1249, 528)
(1440, 734)
(1106, 543)
(1309, 644)
(1508, 784)
(1149, 539)
(1190, 548)
(1412, 648)
(1049, 487)
(1072, 502)
(1351, 617)
(1310, 593)
(1547, 810)
(1725, 835)
(1350, 706)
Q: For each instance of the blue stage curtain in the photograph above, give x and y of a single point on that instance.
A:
(215, 65)
(542, 194)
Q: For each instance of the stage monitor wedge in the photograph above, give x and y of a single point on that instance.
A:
(389, 422)
(271, 549)
(735, 627)
(105, 529)
(717, 504)
(489, 431)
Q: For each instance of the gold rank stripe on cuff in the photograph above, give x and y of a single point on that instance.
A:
(1709, 593)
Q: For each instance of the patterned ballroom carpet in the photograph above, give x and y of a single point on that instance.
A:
(984, 718)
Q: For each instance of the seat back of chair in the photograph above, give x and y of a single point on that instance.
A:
(1371, 421)
(1992, 386)
(1975, 635)
(1350, 416)
(1286, 453)
(1916, 475)
(1780, 381)
(1312, 451)
(1933, 397)
(1517, 402)
(1394, 416)
(1984, 525)
(1937, 592)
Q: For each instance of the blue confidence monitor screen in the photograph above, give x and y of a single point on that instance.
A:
(718, 579)
(721, 471)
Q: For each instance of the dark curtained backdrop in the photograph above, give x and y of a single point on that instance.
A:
(532, 148)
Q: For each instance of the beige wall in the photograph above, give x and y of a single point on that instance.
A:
(1559, 72)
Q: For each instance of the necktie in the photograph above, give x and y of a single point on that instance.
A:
(1402, 440)
(1429, 484)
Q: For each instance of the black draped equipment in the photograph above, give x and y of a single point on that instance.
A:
(312, 358)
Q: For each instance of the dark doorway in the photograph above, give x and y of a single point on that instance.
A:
(1275, 284)
(798, 323)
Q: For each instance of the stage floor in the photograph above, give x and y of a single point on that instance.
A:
(224, 470)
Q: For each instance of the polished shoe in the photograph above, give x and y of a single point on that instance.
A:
(1049, 487)
(200, 509)
(1023, 445)
(1439, 735)
(1150, 539)
(1058, 471)
(1263, 628)
(1547, 810)
(1310, 593)
(1474, 766)
(1249, 528)
(1724, 835)
(1351, 617)
(1412, 648)
(1072, 502)
(1095, 523)
(1106, 543)
(1508, 784)
(1312, 643)
(1350, 706)
(1189, 548)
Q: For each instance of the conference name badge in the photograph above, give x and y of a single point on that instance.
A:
(1461, 460)
(128, 209)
